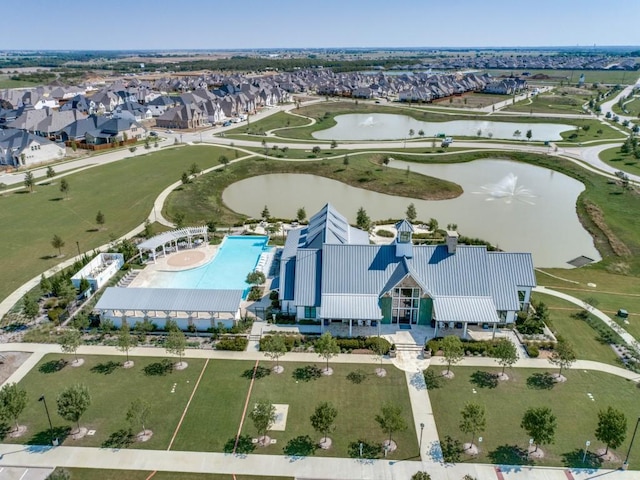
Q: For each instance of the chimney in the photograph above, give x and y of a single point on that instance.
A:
(452, 241)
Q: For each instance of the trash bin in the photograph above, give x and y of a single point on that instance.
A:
(55, 442)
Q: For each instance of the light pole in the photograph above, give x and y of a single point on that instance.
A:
(78, 246)
(421, 430)
(42, 399)
(529, 449)
(625, 465)
(586, 449)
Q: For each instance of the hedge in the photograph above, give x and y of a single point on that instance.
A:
(470, 347)
(236, 344)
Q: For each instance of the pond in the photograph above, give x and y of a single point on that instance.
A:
(518, 207)
(383, 126)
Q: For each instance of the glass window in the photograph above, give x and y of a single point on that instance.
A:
(309, 312)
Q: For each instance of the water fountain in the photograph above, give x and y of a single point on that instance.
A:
(368, 122)
(508, 190)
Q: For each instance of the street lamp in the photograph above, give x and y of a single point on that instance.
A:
(625, 465)
(421, 430)
(529, 449)
(42, 399)
(586, 449)
(78, 245)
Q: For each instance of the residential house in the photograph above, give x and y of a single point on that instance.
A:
(181, 117)
(20, 148)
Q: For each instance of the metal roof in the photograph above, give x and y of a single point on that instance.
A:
(465, 309)
(307, 278)
(507, 271)
(174, 235)
(170, 299)
(328, 226)
(356, 307)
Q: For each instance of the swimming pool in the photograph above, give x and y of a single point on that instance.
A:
(236, 257)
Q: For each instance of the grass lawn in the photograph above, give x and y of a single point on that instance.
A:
(277, 120)
(505, 405)
(568, 77)
(626, 162)
(550, 103)
(585, 340)
(112, 390)
(201, 200)
(95, 474)
(472, 100)
(357, 405)
(124, 191)
(632, 107)
(6, 82)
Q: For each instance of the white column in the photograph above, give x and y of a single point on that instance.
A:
(350, 327)
(464, 330)
(495, 326)
(435, 334)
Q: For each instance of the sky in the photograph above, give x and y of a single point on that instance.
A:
(242, 24)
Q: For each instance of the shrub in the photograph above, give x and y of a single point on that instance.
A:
(255, 294)
(432, 379)
(350, 343)
(378, 344)
(384, 233)
(236, 344)
(357, 376)
(533, 351)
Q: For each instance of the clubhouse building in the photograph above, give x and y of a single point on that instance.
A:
(330, 272)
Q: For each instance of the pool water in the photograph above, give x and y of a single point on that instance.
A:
(236, 257)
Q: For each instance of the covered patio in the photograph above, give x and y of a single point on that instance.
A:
(451, 313)
(360, 310)
(199, 309)
(174, 240)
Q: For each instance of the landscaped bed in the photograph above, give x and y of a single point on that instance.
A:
(505, 405)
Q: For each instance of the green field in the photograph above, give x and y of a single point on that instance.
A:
(626, 162)
(124, 191)
(576, 413)
(277, 120)
(6, 82)
(94, 474)
(632, 107)
(552, 102)
(570, 77)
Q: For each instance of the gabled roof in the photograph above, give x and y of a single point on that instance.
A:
(170, 300)
(328, 226)
(465, 309)
(360, 307)
(402, 271)
(404, 226)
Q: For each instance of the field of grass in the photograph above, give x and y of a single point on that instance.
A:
(584, 339)
(112, 389)
(6, 82)
(626, 162)
(95, 474)
(472, 100)
(550, 103)
(201, 200)
(570, 77)
(505, 405)
(632, 107)
(124, 191)
(277, 120)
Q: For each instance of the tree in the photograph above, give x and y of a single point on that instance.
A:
(540, 424)
(529, 134)
(362, 220)
(72, 402)
(224, 160)
(391, 420)
(563, 355)
(327, 347)
(100, 218)
(421, 475)
(323, 419)
(421, 133)
(612, 428)
(274, 347)
(50, 172)
(255, 278)
(29, 181)
(148, 229)
(473, 420)
(125, 341)
(30, 307)
(13, 400)
(176, 343)
(433, 226)
(452, 350)
(315, 150)
(70, 340)
(138, 413)
(334, 144)
(411, 213)
(345, 160)
(64, 187)
(194, 169)
(505, 353)
(301, 214)
(57, 242)
(45, 285)
(411, 133)
(265, 214)
(185, 178)
(263, 417)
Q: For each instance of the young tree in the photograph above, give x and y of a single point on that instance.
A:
(433, 226)
(30, 307)
(421, 475)
(138, 413)
(612, 428)
(391, 420)
(452, 350)
(274, 348)
(334, 144)
(529, 134)
(327, 347)
(505, 353)
(362, 220)
(255, 278)
(194, 169)
(70, 340)
(57, 242)
(540, 423)
(316, 150)
(411, 213)
(323, 419)
(263, 417)
(29, 181)
(64, 187)
(224, 160)
(185, 178)
(301, 214)
(100, 218)
(345, 160)
(265, 214)
(45, 285)
(563, 355)
(176, 344)
(13, 400)
(125, 340)
(50, 172)
(72, 402)
(473, 420)
(421, 133)
(148, 229)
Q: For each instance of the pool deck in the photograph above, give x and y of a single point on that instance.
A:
(176, 262)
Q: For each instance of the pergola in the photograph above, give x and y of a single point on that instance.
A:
(171, 239)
